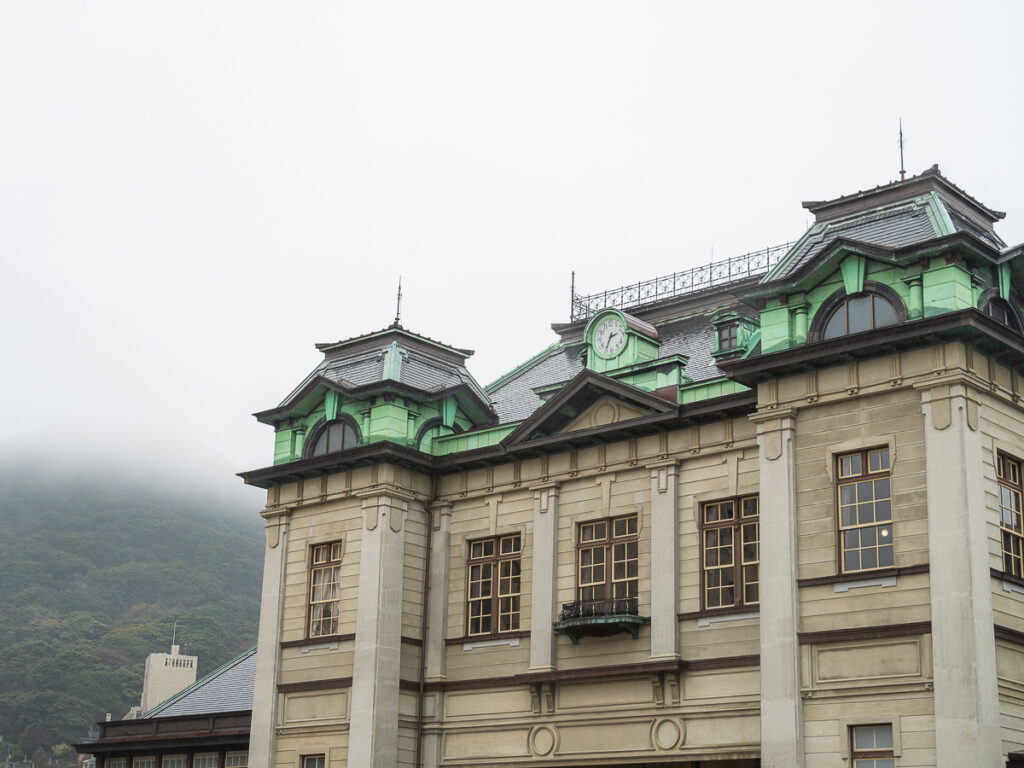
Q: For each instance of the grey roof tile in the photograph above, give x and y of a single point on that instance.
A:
(894, 227)
(226, 689)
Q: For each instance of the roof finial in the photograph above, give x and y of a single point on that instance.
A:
(398, 306)
(903, 173)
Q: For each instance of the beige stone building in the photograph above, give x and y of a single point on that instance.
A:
(766, 512)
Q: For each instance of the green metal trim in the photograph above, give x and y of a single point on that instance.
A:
(945, 223)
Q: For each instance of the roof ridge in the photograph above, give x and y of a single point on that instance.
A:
(204, 680)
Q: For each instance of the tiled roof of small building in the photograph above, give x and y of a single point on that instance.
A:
(227, 689)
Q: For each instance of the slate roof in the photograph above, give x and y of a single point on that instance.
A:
(417, 371)
(513, 396)
(227, 689)
(891, 227)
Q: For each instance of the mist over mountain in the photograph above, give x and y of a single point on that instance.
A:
(96, 566)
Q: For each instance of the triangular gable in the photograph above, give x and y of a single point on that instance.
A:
(604, 411)
(589, 401)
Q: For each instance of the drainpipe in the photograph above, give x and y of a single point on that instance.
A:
(423, 623)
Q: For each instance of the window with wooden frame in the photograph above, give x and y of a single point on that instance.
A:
(731, 553)
(206, 760)
(728, 337)
(236, 759)
(324, 588)
(174, 761)
(313, 761)
(871, 746)
(865, 510)
(493, 590)
(608, 559)
(144, 762)
(1010, 522)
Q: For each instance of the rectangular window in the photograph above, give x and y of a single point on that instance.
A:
(492, 602)
(173, 761)
(730, 532)
(144, 762)
(727, 337)
(1008, 472)
(117, 762)
(872, 746)
(205, 760)
(609, 563)
(865, 510)
(313, 761)
(324, 588)
(237, 759)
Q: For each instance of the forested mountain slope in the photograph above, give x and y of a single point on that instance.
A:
(94, 572)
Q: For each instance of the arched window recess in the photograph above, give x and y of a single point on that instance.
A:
(843, 314)
(332, 436)
(1000, 310)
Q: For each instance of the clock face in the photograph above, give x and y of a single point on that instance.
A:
(609, 336)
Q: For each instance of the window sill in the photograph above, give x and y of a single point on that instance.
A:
(872, 576)
(469, 642)
(1011, 583)
(327, 642)
(707, 617)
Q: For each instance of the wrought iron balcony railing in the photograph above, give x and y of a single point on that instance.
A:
(712, 275)
(608, 606)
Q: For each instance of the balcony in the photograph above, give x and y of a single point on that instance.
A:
(600, 618)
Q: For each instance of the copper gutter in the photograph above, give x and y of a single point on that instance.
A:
(423, 621)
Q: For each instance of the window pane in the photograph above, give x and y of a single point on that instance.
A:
(885, 313)
(836, 325)
(334, 438)
(349, 438)
(859, 314)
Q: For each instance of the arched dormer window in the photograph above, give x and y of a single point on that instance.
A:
(432, 429)
(1002, 312)
(842, 315)
(332, 436)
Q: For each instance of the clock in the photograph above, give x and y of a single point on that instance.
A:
(609, 336)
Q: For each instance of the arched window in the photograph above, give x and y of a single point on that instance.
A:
(334, 436)
(1002, 312)
(860, 312)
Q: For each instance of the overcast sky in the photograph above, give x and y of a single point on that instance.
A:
(194, 193)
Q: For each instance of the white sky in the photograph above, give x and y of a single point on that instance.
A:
(194, 193)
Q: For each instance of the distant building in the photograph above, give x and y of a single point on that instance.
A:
(165, 675)
(762, 513)
(206, 725)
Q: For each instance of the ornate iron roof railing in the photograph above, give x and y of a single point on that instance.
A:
(717, 273)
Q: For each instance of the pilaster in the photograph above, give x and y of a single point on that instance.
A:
(664, 560)
(967, 728)
(262, 739)
(782, 740)
(373, 736)
(437, 604)
(545, 558)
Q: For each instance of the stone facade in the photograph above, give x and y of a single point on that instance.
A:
(429, 591)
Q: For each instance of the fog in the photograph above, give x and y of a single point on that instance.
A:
(193, 194)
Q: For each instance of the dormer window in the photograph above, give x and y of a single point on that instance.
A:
(1002, 312)
(861, 312)
(335, 436)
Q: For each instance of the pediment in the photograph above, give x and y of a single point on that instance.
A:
(590, 401)
(605, 410)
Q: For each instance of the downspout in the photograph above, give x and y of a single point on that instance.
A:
(423, 622)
